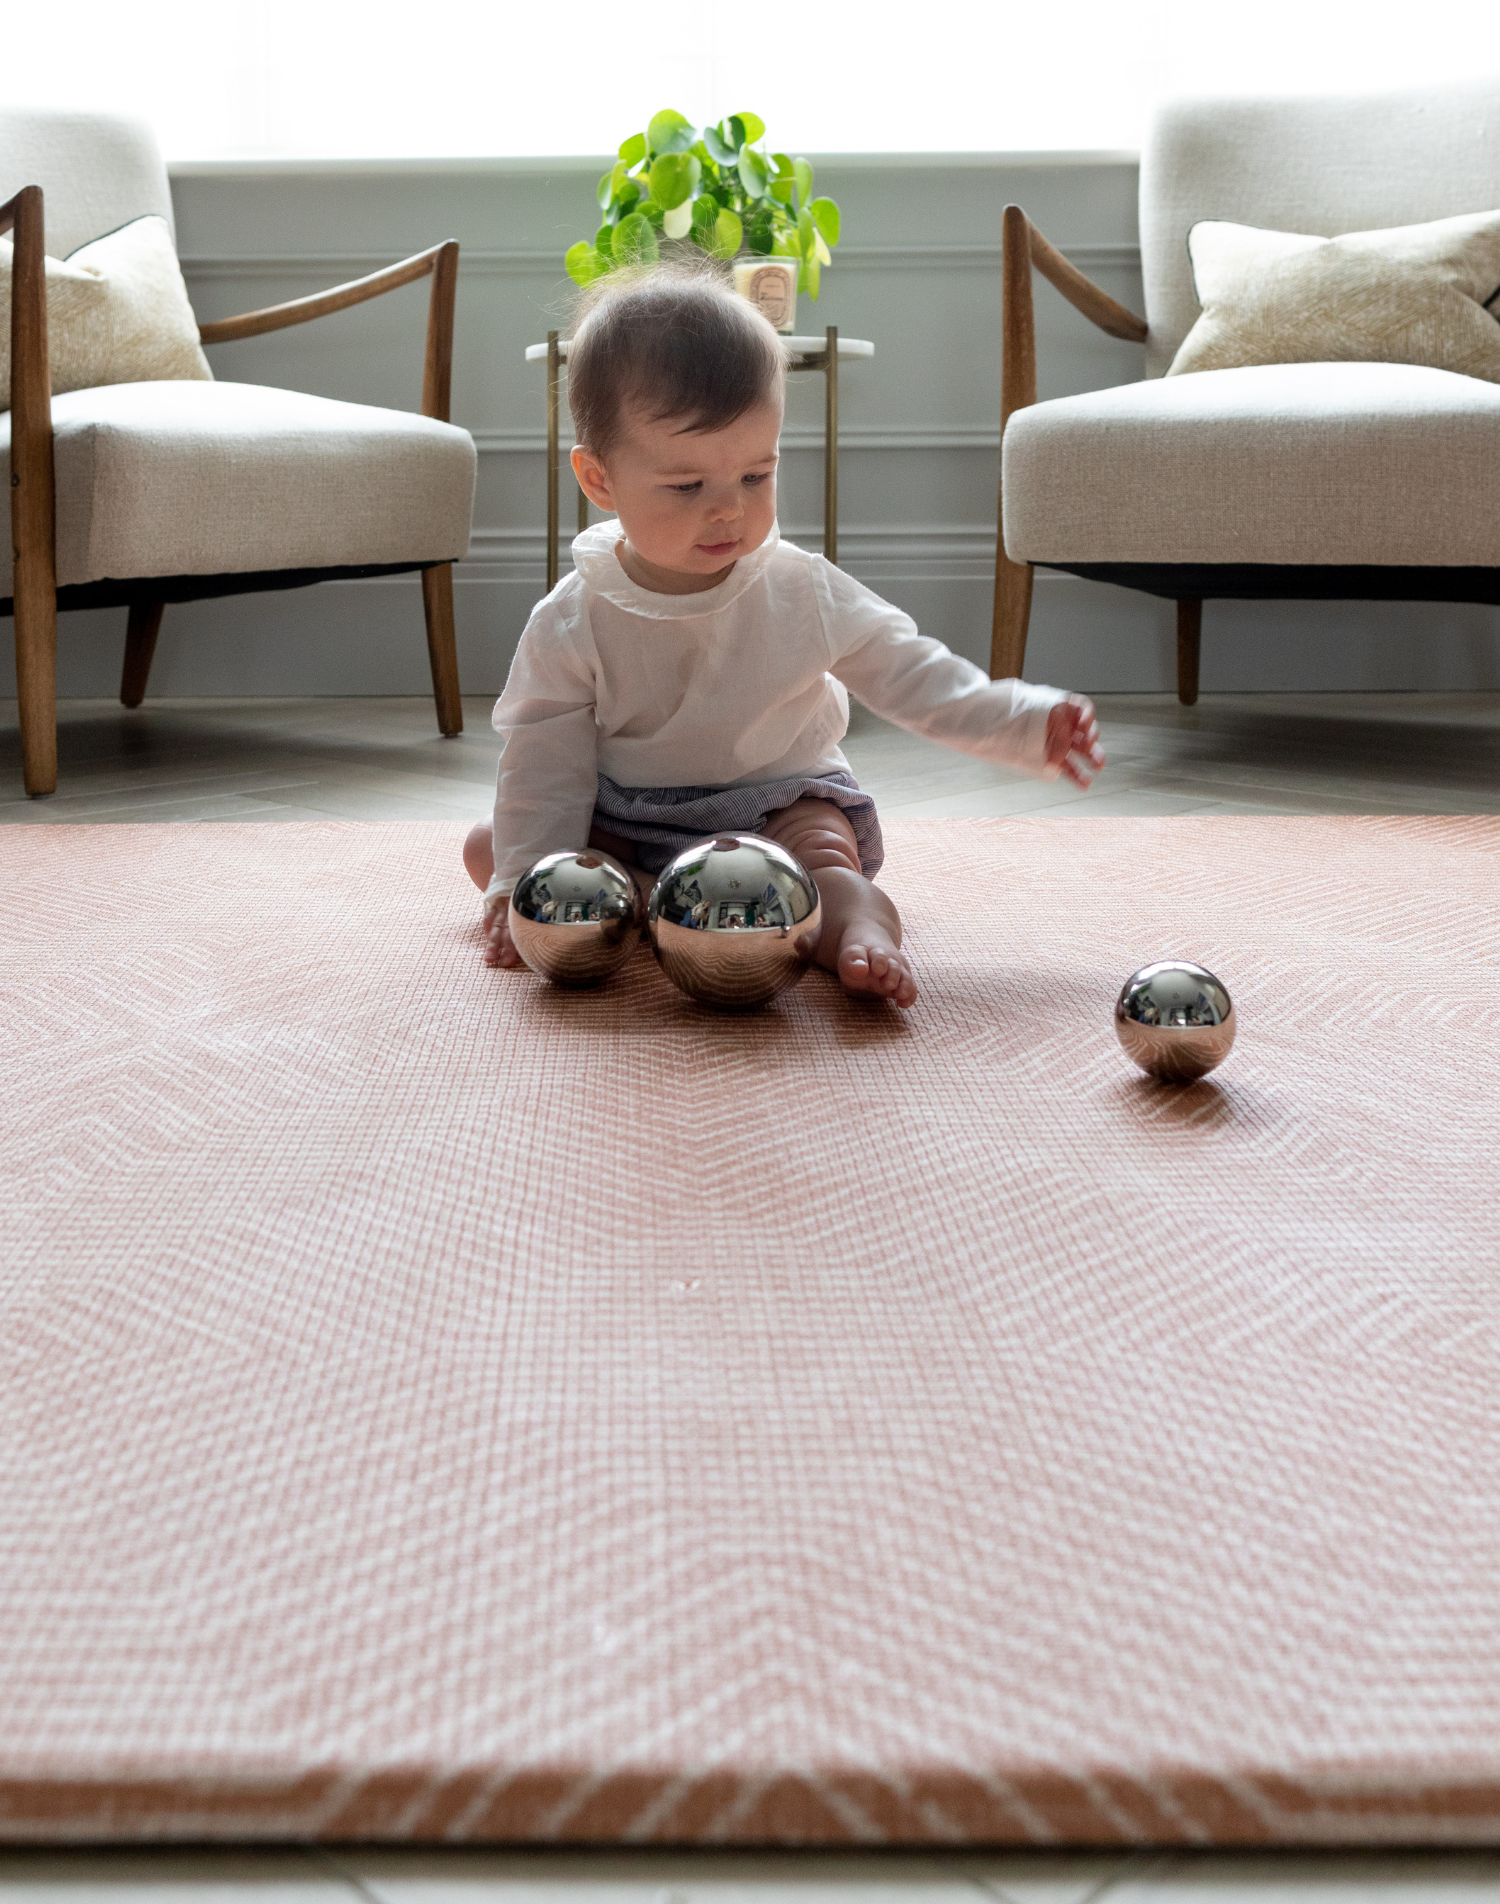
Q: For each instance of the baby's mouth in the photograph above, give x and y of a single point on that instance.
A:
(718, 548)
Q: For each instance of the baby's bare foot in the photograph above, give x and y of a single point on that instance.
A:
(869, 963)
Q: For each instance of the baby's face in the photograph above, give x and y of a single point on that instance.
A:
(693, 502)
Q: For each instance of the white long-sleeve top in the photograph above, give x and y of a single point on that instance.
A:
(746, 682)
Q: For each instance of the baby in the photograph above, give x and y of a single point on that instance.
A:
(692, 676)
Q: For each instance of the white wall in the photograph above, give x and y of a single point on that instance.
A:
(919, 275)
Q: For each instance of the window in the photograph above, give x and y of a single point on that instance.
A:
(303, 78)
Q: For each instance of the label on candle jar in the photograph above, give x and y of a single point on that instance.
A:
(771, 286)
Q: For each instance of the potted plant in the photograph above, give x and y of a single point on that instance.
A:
(720, 190)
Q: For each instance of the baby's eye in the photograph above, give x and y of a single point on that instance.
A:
(762, 476)
(685, 489)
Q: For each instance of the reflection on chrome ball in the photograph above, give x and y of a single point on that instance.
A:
(575, 917)
(1175, 1020)
(734, 920)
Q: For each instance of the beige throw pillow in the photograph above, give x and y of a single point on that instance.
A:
(1418, 294)
(117, 312)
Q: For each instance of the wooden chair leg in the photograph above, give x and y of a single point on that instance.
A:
(140, 645)
(1189, 643)
(1012, 617)
(36, 683)
(442, 651)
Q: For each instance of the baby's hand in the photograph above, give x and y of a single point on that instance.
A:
(1073, 740)
(499, 948)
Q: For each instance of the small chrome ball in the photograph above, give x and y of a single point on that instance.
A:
(575, 917)
(1175, 1019)
(734, 920)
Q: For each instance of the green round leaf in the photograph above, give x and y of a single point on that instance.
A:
(754, 127)
(635, 241)
(781, 190)
(604, 240)
(606, 191)
(825, 215)
(670, 132)
(674, 179)
(802, 173)
(807, 233)
(755, 174)
(724, 240)
(718, 145)
(705, 211)
(782, 164)
(812, 272)
(630, 194)
(634, 149)
(583, 263)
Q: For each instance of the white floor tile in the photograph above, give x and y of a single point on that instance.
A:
(627, 1877)
(169, 1877)
(1317, 1878)
(1054, 1877)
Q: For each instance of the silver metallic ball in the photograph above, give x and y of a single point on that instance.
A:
(1175, 1020)
(734, 920)
(575, 917)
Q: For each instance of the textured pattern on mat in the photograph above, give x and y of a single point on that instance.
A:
(437, 1406)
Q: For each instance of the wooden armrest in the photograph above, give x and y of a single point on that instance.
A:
(441, 261)
(1023, 248)
(1082, 293)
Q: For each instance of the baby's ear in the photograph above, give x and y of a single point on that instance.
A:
(593, 478)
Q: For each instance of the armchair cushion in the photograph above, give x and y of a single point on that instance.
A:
(169, 479)
(1421, 294)
(117, 312)
(1359, 464)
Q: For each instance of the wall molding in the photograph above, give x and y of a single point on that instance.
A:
(916, 436)
(474, 262)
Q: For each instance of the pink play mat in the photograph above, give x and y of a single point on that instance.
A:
(437, 1407)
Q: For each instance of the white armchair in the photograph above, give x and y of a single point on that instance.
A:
(141, 494)
(1323, 481)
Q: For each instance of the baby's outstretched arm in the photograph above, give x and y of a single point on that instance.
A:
(1073, 740)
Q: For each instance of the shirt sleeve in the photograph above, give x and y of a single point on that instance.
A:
(919, 684)
(549, 757)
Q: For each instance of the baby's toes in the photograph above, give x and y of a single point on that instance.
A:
(905, 992)
(854, 966)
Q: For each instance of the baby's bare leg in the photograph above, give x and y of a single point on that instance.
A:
(479, 853)
(861, 939)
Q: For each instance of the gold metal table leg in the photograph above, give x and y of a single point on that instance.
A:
(831, 446)
(553, 363)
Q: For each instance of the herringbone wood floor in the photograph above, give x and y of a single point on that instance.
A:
(383, 760)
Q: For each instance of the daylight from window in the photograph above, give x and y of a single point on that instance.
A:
(321, 78)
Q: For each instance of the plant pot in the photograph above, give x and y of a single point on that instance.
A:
(770, 284)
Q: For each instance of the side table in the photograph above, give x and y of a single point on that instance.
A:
(824, 353)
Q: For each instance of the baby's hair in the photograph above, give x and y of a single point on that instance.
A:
(675, 342)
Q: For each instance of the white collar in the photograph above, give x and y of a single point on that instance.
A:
(595, 558)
